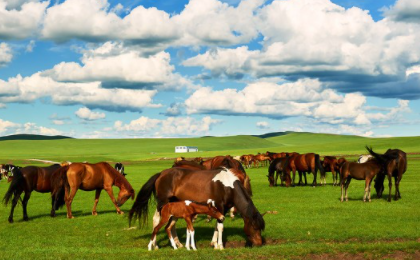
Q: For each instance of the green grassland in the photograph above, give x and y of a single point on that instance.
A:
(310, 222)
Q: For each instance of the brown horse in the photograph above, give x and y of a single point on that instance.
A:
(28, 179)
(277, 166)
(359, 171)
(396, 166)
(262, 159)
(330, 164)
(221, 185)
(89, 177)
(247, 159)
(303, 163)
(187, 210)
(188, 165)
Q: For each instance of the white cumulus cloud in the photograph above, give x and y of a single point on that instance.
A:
(6, 54)
(87, 114)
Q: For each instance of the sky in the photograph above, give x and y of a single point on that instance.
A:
(185, 68)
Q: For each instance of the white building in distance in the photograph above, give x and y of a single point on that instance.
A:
(186, 149)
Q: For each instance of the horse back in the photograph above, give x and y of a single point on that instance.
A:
(86, 176)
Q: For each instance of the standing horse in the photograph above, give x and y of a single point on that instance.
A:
(277, 166)
(303, 163)
(395, 166)
(221, 185)
(26, 180)
(89, 177)
(187, 210)
(359, 171)
(330, 164)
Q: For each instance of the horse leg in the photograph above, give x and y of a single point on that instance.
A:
(306, 181)
(390, 187)
(111, 195)
(366, 189)
(342, 191)
(97, 194)
(314, 172)
(300, 183)
(275, 181)
(397, 188)
(232, 212)
(69, 200)
(169, 232)
(190, 235)
(347, 186)
(15, 200)
(25, 204)
(370, 182)
(152, 243)
(220, 231)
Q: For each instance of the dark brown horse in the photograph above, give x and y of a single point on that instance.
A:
(330, 164)
(359, 171)
(395, 166)
(303, 163)
(277, 166)
(220, 185)
(89, 177)
(28, 179)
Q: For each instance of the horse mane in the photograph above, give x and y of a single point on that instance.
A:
(243, 203)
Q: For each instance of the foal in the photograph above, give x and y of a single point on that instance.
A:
(359, 171)
(186, 210)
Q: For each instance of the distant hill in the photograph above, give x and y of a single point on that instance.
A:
(32, 137)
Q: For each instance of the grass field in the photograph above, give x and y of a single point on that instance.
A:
(310, 222)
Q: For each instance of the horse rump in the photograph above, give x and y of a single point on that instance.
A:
(15, 187)
(140, 208)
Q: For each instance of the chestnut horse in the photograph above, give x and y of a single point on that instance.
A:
(303, 163)
(396, 167)
(186, 210)
(330, 164)
(28, 179)
(89, 177)
(221, 185)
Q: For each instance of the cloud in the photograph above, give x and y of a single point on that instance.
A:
(8, 127)
(172, 126)
(304, 98)
(5, 54)
(87, 114)
(117, 66)
(319, 39)
(30, 47)
(174, 109)
(263, 125)
(404, 11)
(20, 19)
(202, 22)
(29, 89)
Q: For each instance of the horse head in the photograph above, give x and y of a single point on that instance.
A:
(124, 195)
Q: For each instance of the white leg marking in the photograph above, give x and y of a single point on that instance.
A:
(173, 243)
(220, 230)
(187, 243)
(192, 240)
(156, 219)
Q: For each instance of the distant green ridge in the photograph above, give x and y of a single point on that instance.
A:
(32, 137)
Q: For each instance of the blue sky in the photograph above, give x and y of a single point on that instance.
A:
(142, 68)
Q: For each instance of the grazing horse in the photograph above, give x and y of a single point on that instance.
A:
(28, 179)
(89, 177)
(359, 171)
(277, 165)
(187, 210)
(303, 163)
(262, 158)
(188, 165)
(396, 166)
(247, 160)
(330, 164)
(120, 168)
(221, 185)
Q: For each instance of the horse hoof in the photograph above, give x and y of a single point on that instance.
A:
(71, 217)
(94, 213)
(120, 212)
(25, 218)
(10, 220)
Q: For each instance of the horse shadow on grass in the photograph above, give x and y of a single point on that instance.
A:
(60, 214)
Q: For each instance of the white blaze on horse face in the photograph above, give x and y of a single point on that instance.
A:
(188, 202)
(226, 177)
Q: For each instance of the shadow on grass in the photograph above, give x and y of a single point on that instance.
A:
(57, 215)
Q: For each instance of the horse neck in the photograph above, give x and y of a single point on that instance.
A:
(120, 181)
(200, 209)
(246, 207)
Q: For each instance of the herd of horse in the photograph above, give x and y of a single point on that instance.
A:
(214, 187)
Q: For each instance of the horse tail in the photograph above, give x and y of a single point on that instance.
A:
(16, 185)
(58, 183)
(140, 208)
(318, 165)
